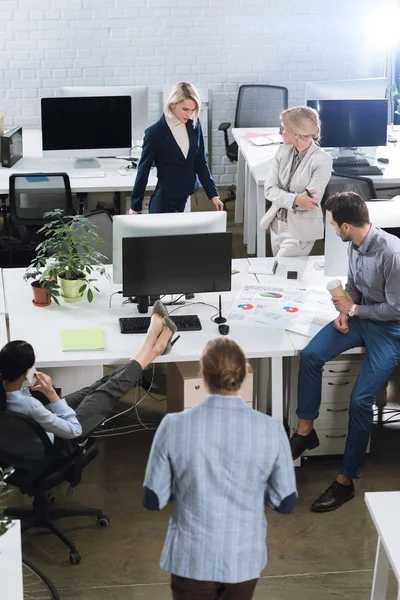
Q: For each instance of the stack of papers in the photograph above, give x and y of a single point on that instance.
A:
(82, 339)
(264, 139)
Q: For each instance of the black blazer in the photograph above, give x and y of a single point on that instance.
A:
(177, 176)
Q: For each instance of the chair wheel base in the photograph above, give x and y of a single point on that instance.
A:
(74, 557)
(103, 521)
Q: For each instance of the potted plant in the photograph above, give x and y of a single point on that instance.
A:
(66, 258)
(44, 289)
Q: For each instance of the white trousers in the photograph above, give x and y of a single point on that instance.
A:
(283, 244)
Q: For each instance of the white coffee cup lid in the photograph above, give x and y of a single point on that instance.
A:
(334, 283)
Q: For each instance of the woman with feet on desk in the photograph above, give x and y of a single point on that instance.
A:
(298, 177)
(66, 418)
(176, 145)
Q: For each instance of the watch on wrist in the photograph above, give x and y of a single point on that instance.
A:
(352, 310)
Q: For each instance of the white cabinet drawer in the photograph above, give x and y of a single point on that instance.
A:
(337, 389)
(333, 416)
(341, 367)
(331, 441)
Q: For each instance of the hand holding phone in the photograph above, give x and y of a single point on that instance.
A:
(31, 375)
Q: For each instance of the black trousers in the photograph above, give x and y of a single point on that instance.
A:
(160, 204)
(192, 589)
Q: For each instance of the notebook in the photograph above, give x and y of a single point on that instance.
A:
(82, 339)
(264, 266)
(265, 140)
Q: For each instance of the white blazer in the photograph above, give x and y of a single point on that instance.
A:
(313, 173)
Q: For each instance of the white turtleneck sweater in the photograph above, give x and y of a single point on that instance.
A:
(179, 132)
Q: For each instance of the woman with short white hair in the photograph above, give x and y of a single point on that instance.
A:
(296, 183)
(175, 144)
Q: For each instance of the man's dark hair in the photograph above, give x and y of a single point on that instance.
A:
(348, 207)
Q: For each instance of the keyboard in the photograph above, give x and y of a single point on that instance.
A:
(141, 324)
(350, 161)
(358, 171)
(86, 174)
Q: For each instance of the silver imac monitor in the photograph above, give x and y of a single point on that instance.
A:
(139, 95)
(155, 225)
(384, 214)
(86, 128)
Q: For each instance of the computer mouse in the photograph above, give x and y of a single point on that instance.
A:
(384, 161)
(223, 329)
(122, 172)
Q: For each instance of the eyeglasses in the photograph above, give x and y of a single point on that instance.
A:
(281, 129)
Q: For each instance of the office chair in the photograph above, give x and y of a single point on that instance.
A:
(364, 186)
(104, 228)
(256, 106)
(25, 446)
(33, 194)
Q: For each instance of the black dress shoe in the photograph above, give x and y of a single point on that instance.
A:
(300, 443)
(336, 495)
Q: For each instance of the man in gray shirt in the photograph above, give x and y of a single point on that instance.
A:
(369, 316)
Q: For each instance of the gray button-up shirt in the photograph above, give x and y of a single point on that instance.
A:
(374, 276)
(221, 462)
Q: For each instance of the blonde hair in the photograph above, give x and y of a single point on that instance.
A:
(223, 364)
(184, 90)
(302, 120)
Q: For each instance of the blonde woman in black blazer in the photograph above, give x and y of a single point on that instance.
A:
(296, 184)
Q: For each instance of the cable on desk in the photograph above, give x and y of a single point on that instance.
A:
(113, 294)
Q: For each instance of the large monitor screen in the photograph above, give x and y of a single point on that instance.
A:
(352, 123)
(88, 123)
(177, 264)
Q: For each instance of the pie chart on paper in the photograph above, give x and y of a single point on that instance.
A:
(291, 309)
(271, 295)
(246, 306)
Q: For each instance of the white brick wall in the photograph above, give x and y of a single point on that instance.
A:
(45, 44)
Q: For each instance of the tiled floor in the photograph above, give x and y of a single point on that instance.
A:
(311, 556)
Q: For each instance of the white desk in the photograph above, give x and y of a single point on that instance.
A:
(384, 508)
(71, 370)
(2, 299)
(253, 167)
(33, 162)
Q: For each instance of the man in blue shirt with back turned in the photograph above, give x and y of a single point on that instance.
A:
(369, 315)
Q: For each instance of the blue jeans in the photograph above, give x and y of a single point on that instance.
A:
(382, 342)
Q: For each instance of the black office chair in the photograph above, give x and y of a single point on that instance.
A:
(364, 186)
(104, 228)
(25, 446)
(33, 194)
(257, 105)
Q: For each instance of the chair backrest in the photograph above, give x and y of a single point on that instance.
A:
(23, 443)
(344, 183)
(104, 228)
(260, 105)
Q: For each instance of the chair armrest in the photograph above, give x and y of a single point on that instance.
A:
(224, 126)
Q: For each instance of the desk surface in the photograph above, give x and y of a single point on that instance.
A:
(33, 162)
(383, 508)
(309, 274)
(2, 299)
(42, 326)
(259, 157)
(11, 563)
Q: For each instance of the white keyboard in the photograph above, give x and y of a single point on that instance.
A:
(86, 174)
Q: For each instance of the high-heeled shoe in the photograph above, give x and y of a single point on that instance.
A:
(159, 309)
(171, 325)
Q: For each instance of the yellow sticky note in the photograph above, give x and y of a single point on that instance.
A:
(82, 339)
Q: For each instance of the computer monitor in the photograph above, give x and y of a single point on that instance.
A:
(127, 226)
(87, 127)
(352, 123)
(347, 89)
(177, 264)
(138, 94)
(384, 214)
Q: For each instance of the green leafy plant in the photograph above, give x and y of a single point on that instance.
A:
(396, 98)
(67, 253)
(51, 285)
(5, 522)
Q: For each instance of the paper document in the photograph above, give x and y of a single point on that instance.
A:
(82, 339)
(264, 139)
(263, 266)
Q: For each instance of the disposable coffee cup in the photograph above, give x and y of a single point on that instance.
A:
(335, 288)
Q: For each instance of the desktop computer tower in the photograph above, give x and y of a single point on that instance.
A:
(186, 387)
(11, 147)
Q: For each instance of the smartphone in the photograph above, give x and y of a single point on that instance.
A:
(31, 376)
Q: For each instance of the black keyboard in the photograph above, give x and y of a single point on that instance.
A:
(141, 324)
(350, 161)
(358, 171)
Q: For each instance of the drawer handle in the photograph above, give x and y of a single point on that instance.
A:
(342, 383)
(337, 409)
(196, 387)
(336, 436)
(334, 371)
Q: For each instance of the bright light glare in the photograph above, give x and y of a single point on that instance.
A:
(383, 26)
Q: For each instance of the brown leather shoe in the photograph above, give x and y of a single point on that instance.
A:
(300, 443)
(336, 495)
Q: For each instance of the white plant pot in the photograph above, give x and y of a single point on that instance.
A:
(11, 564)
